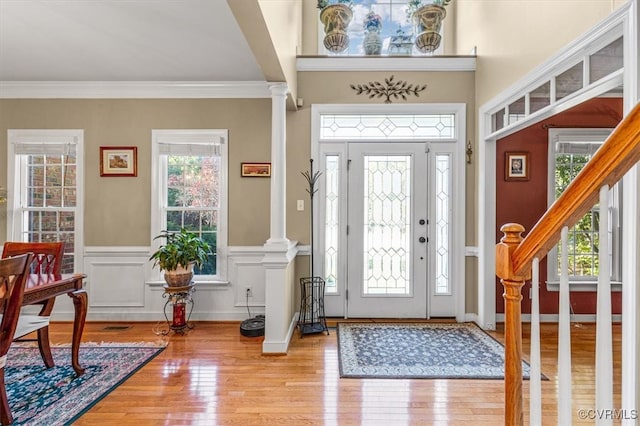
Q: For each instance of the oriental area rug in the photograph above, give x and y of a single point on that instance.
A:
(56, 396)
(419, 351)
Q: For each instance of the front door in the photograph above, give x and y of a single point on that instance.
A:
(387, 230)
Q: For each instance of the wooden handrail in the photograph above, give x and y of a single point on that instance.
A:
(514, 255)
(616, 156)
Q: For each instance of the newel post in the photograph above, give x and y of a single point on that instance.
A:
(512, 284)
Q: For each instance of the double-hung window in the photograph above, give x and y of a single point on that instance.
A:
(569, 152)
(189, 191)
(44, 176)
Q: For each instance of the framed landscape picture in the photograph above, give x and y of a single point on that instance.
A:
(118, 161)
(256, 169)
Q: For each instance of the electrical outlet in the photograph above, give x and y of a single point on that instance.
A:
(248, 291)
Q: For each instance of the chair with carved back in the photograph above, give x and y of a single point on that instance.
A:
(47, 259)
(13, 276)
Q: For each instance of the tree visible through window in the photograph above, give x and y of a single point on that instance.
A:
(190, 175)
(193, 199)
(583, 247)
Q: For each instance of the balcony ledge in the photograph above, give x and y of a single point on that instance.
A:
(386, 63)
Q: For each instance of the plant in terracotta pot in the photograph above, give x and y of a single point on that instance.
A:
(335, 15)
(427, 18)
(180, 253)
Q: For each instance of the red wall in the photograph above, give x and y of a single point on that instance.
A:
(524, 202)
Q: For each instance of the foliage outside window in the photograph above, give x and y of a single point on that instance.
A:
(192, 190)
(583, 246)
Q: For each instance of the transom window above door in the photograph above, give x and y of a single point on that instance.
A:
(387, 127)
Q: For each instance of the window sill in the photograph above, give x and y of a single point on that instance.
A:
(579, 286)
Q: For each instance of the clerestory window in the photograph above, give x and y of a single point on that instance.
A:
(396, 30)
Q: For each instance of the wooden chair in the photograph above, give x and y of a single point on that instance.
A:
(13, 276)
(47, 259)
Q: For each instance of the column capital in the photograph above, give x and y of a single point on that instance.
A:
(278, 89)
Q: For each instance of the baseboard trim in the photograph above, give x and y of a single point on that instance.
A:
(281, 348)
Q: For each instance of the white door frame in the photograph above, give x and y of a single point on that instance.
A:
(458, 276)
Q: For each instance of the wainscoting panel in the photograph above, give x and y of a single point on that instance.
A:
(121, 287)
(116, 276)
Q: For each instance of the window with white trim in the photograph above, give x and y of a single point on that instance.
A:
(569, 152)
(189, 172)
(397, 30)
(45, 199)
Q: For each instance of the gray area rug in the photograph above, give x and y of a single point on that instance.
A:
(420, 351)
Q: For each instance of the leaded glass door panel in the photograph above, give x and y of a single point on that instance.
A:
(387, 230)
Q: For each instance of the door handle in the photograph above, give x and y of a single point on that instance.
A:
(422, 240)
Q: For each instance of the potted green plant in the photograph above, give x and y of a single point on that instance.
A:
(335, 15)
(427, 18)
(179, 254)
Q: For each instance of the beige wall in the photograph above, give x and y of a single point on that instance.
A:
(333, 88)
(513, 37)
(117, 210)
(284, 21)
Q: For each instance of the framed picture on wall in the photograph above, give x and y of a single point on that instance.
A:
(256, 169)
(516, 166)
(118, 161)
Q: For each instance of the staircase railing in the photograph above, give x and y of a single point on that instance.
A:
(514, 255)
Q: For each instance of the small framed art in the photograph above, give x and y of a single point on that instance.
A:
(256, 169)
(516, 166)
(118, 161)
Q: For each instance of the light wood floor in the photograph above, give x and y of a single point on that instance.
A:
(215, 376)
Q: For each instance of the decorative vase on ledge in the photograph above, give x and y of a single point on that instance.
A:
(427, 21)
(372, 42)
(336, 19)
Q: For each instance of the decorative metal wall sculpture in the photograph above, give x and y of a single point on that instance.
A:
(390, 88)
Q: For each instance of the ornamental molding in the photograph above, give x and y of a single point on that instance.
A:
(399, 89)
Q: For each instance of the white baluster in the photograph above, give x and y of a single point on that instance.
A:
(604, 345)
(535, 385)
(564, 337)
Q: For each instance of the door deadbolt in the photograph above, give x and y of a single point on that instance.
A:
(422, 222)
(422, 239)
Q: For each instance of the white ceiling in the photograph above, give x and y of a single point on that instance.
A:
(123, 40)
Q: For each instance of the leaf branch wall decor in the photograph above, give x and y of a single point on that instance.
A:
(396, 89)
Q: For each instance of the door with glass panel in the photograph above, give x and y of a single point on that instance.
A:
(387, 230)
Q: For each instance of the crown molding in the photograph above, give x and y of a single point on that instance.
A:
(133, 89)
(387, 63)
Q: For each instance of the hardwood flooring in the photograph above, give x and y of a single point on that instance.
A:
(215, 376)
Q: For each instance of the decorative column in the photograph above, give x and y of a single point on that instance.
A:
(512, 322)
(279, 252)
(278, 164)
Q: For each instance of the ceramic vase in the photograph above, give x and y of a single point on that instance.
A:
(372, 42)
(336, 19)
(428, 20)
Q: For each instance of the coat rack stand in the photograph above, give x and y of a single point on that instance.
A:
(312, 319)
